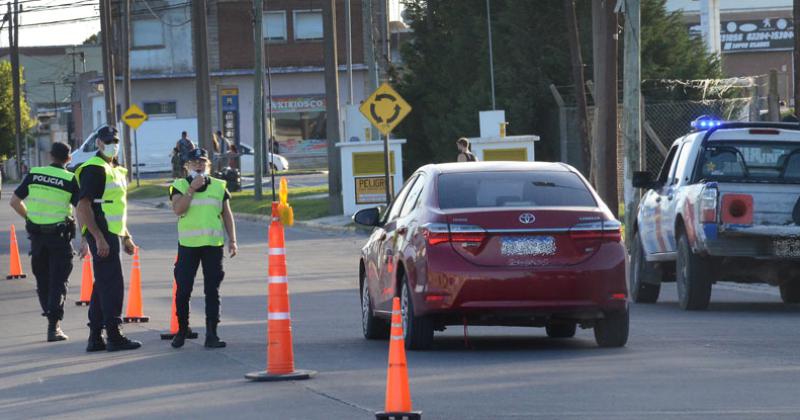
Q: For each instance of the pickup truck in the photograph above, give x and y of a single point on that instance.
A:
(723, 207)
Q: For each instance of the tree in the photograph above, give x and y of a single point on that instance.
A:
(7, 137)
(445, 76)
(93, 39)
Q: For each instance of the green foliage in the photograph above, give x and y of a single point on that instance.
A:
(7, 110)
(446, 70)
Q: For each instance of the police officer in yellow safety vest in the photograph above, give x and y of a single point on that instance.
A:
(49, 192)
(203, 206)
(102, 209)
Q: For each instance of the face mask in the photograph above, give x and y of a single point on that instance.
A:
(111, 150)
(199, 173)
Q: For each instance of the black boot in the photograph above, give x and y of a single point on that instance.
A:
(180, 336)
(212, 340)
(117, 341)
(54, 332)
(96, 342)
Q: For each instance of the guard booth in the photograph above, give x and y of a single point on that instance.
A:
(494, 145)
(363, 173)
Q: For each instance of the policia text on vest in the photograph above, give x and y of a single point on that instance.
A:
(102, 208)
(45, 199)
(202, 204)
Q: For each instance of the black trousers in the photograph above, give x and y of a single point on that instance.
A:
(51, 260)
(189, 258)
(105, 307)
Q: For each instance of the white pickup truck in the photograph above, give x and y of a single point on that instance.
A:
(724, 207)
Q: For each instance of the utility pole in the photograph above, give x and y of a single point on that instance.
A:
(258, 97)
(604, 28)
(200, 41)
(349, 42)
(796, 58)
(13, 46)
(55, 97)
(126, 84)
(109, 76)
(370, 59)
(578, 80)
(632, 109)
(332, 107)
(491, 54)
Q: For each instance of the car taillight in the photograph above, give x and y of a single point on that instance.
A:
(469, 237)
(605, 231)
(708, 204)
(737, 209)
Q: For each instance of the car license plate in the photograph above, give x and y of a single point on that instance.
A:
(535, 245)
(786, 247)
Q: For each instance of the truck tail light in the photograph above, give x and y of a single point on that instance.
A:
(737, 209)
(708, 204)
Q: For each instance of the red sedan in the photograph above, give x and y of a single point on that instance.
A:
(495, 243)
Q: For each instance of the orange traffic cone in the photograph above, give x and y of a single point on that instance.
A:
(398, 396)
(15, 268)
(280, 356)
(173, 322)
(87, 282)
(134, 313)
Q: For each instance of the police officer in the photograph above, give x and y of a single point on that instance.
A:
(202, 204)
(49, 192)
(102, 209)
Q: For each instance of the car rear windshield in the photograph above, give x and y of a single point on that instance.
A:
(513, 189)
(750, 161)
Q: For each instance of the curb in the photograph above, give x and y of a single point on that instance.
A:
(307, 224)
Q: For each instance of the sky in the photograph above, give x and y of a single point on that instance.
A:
(38, 11)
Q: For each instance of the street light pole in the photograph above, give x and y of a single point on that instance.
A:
(491, 53)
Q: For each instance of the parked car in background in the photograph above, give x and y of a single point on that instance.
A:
(279, 163)
(494, 243)
(724, 206)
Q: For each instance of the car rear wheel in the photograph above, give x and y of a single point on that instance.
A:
(790, 291)
(561, 330)
(692, 275)
(417, 331)
(641, 271)
(373, 327)
(612, 331)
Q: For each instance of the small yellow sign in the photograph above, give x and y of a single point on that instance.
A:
(372, 189)
(385, 108)
(134, 116)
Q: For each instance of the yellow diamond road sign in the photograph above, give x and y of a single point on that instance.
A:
(385, 108)
(134, 116)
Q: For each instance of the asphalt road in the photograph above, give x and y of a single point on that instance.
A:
(739, 359)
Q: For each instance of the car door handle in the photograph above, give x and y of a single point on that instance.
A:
(658, 199)
(402, 230)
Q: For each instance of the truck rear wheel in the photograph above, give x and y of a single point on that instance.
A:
(692, 275)
(645, 277)
(790, 291)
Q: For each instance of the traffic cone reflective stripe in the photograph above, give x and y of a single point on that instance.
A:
(398, 395)
(135, 313)
(14, 265)
(87, 281)
(280, 355)
(173, 320)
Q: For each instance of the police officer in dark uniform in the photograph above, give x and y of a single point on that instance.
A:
(49, 192)
(202, 203)
(102, 209)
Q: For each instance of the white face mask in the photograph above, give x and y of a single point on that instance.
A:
(111, 150)
(197, 173)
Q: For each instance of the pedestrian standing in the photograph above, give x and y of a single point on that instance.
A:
(184, 146)
(102, 209)
(464, 153)
(45, 199)
(202, 203)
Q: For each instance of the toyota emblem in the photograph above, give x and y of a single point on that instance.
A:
(526, 218)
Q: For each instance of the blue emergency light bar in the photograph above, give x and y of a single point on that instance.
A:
(706, 123)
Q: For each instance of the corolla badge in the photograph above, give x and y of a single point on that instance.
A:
(526, 218)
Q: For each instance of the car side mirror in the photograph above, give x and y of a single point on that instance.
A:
(368, 217)
(642, 179)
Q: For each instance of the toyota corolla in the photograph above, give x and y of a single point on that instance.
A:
(494, 243)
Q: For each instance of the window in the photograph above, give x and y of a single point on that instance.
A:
(513, 189)
(275, 26)
(663, 174)
(413, 197)
(160, 108)
(397, 203)
(308, 25)
(148, 33)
